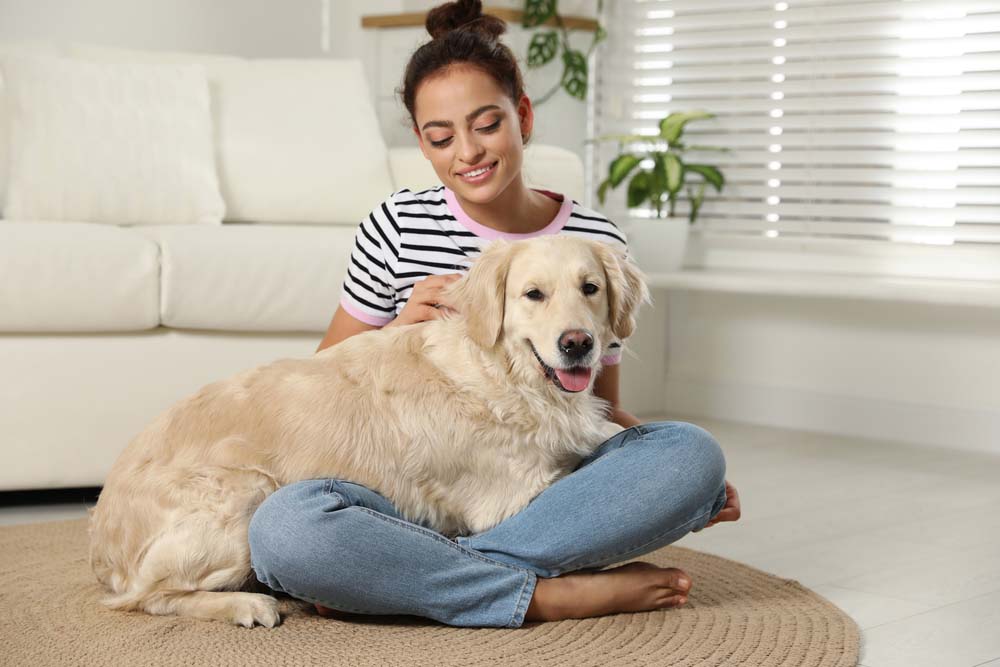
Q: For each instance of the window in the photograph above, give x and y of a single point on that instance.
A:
(864, 135)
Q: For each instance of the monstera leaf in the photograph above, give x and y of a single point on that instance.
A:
(542, 48)
(537, 12)
(575, 75)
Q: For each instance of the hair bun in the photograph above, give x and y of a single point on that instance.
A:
(465, 15)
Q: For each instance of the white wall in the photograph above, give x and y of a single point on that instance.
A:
(265, 28)
(899, 371)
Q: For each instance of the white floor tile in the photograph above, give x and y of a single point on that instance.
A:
(962, 634)
(958, 575)
(967, 528)
(816, 506)
(868, 609)
(830, 561)
(843, 515)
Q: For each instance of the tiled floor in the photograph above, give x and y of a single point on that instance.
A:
(905, 539)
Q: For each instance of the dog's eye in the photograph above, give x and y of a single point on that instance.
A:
(534, 295)
(590, 288)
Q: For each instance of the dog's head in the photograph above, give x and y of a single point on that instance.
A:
(554, 302)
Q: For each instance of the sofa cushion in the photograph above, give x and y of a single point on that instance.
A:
(547, 167)
(14, 49)
(76, 277)
(298, 141)
(110, 143)
(240, 277)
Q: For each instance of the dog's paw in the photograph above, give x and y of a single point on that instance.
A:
(251, 609)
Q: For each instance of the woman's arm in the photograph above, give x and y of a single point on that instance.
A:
(606, 387)
(423, 304)
(343, 325)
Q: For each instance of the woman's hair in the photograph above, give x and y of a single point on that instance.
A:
(462, 34)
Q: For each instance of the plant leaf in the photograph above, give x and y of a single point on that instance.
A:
(710, 174)
(622, 138)
(638, 189)
(672, 126)
(537, 12)
(658, 178)
(621, 166)
(602, 190)
(542, 48)
(674, 172)
(574, 78)
(600, 34)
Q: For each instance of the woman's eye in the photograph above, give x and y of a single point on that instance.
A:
(590, 288)
(534, 295)
(489, 128)
(442, 142)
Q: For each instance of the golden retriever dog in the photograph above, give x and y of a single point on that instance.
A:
(458, 421)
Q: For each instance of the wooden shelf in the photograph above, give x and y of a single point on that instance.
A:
(511, 16)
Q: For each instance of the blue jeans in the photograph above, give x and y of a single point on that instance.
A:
(347, 547)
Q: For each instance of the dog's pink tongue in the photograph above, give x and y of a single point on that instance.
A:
(575, 379)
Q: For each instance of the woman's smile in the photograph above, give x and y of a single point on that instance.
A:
(480, 174)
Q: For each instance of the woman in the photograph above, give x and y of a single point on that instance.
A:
(348, 548)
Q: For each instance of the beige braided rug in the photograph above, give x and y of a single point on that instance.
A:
(736, 615)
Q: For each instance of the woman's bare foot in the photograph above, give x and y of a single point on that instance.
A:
(636, 586)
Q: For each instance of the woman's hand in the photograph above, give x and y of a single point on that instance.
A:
(425, 300)
(731, 510)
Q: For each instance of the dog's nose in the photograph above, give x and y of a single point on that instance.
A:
(576, 344)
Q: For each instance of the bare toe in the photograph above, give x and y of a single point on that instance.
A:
(677, 580)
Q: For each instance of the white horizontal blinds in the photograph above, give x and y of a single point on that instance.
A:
(868, 120)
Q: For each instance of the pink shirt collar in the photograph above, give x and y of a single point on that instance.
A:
(489, 233)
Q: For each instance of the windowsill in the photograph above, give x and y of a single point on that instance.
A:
(829, 285)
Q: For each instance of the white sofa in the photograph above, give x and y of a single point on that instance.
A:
(104, 326)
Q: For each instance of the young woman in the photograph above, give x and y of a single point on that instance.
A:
(346, 547)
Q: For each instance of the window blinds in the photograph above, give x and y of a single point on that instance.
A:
(857, 122)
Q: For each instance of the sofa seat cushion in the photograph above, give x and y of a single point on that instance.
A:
(76, 277)
(251, 277)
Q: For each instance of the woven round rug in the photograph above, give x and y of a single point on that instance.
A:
(735, 615)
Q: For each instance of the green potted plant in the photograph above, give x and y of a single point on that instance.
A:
(668, 178)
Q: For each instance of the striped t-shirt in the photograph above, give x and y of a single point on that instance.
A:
(412, 235)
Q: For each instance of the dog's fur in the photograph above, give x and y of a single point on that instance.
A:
(454, 420)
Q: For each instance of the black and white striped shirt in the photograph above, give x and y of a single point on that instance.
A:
(412, 235)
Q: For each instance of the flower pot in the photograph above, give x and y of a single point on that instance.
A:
(657, 244)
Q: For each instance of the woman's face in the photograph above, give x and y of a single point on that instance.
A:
(471, 131)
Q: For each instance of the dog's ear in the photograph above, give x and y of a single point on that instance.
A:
(480, 295)
(627, 289)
